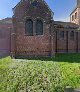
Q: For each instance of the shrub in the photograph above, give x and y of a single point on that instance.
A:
(38, 76)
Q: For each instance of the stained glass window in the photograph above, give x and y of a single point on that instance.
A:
(29, 27)
(62, 34)
(39, 27)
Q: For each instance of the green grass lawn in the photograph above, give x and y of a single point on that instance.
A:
(40, 74)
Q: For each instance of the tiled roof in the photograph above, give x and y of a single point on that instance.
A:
(6, 21)
(69, 25)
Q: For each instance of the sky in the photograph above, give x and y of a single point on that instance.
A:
(61, 8)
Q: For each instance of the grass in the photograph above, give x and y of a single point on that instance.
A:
(71, 58)
(35, 75)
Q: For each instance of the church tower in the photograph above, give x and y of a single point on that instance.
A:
(78, 3)
(75, 15)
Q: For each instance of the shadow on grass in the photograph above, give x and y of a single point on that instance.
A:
(71, 58)
(1, 57)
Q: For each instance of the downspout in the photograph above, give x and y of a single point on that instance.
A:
(76, 42)
(50, 41)
(10, 40)
(56, 42)
(67, 42)
(13, 40)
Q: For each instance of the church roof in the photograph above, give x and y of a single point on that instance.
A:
(73, 10)
(30, 0)
(6, 21)
(59, 24)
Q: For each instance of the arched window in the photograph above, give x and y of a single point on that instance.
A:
(62, 34)
(39, 27)
(75, 15)
(72, 17)
(29, 27)
(72, 35)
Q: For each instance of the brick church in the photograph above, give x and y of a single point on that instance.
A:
(32, 31)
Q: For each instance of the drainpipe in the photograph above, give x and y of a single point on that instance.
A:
(10, 41)
(56, 42)
(52, 42)
(76, 42)
(67, 42)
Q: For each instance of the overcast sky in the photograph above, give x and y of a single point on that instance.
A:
(61, 8)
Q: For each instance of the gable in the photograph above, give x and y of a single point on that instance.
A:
(32, 8)
(29, 1)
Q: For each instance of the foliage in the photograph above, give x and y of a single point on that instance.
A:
(4, 67)
(22, 75)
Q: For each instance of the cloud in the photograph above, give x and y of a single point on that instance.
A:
(66, 19)
(62, 19)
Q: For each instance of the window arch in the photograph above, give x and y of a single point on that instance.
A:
(39, 27)
(62, 34)
(72, 17)
(72, 35)
(29, 27)
(75, 15)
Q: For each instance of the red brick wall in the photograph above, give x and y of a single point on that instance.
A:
(5, 39)
(37, 45)
(40, 45)
(67, 45)
(78, 42)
